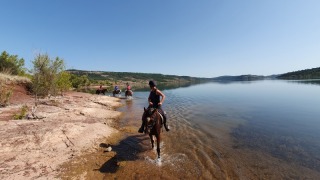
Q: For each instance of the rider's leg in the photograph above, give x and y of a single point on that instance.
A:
(165, 122)
(164, 118)
(141, 128)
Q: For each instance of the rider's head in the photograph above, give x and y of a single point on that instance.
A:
(152, 84)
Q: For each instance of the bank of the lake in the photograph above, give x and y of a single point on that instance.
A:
(61, 128)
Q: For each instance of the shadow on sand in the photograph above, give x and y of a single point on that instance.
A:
(127, 150)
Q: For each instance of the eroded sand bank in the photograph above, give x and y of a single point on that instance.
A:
(68, 125)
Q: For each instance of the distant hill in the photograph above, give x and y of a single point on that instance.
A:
(132, 76)
(313, 73)
(239, 78)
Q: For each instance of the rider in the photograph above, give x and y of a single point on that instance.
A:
(116, 88)
(128, 87)
(156, 102)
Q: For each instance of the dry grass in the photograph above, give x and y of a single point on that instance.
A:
(7, 86)
(11, 79)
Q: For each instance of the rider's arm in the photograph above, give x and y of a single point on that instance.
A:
(162, 95)
(149, 100)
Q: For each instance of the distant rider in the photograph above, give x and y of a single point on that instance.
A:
(128, 91)
(128, 87)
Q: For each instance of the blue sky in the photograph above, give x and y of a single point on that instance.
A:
(201, 38)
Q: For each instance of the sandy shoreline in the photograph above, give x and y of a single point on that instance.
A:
(35, 149)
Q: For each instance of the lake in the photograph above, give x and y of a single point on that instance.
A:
(232, 130)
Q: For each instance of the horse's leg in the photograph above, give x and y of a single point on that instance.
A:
(152, 141)
(158, 145)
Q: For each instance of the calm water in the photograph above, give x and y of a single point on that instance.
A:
(241, 130)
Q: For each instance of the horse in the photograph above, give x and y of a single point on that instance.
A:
(153, 124)
(114, 92)
(101, 91)
(128, 93)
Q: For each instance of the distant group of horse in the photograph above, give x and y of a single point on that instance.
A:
(103, 91)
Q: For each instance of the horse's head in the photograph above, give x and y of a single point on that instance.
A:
(149, 115)
(149, 111)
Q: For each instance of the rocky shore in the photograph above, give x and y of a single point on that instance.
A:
(60, 129)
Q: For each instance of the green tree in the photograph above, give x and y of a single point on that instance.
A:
(79, 81)
(63, 81)
(11, 64)
(46, 74)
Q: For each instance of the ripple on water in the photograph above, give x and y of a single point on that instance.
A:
(166, 159)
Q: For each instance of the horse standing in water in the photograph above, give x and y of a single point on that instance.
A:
(115, 92)
(153, 124)
(101, 91)
(128, 93)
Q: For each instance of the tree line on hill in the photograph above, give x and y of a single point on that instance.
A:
(96, 76)
(313, 73)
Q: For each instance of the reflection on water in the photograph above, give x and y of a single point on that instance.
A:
(171, 85)
(309, 81)
(256, 130)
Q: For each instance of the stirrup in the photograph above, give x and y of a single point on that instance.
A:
(166, 127)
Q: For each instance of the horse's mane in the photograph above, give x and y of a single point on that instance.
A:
(154, 125)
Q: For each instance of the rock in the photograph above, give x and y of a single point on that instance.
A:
(108, 149)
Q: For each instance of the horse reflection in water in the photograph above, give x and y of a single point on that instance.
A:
(152, 120)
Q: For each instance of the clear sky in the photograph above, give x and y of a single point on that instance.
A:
(201, 38)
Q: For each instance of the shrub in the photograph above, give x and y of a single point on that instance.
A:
(5, 95)
(63, 81)
(46, 75)
(79, 81)
(22, 113)
(11, 64)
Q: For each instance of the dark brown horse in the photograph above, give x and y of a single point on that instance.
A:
(152, 120)
(101, 91)
(128, 93)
